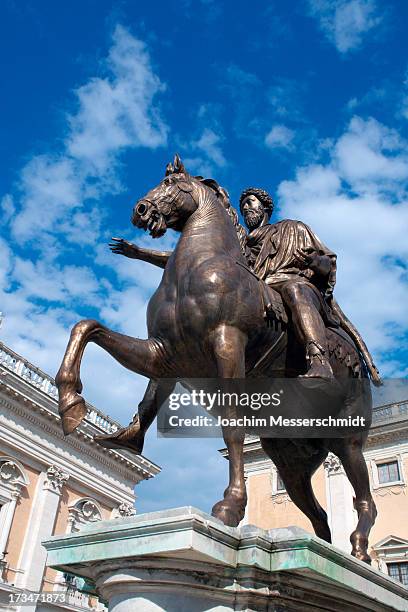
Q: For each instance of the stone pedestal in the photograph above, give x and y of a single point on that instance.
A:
(186, 561)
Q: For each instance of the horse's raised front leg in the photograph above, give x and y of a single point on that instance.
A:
(350, 453)
(141, 356)
(229, 350)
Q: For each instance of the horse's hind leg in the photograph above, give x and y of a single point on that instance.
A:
(296, 473)
(350, 452)
(140, 356)
(229, 351)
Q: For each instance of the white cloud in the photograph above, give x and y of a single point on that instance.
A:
(372, 156)
(7, 209)
(345, 22)
(6, 264)
(113, 113)
(51, 190)
(357, 204)
(117, 112)
(279, 137)
(209, 155)
(209, 143)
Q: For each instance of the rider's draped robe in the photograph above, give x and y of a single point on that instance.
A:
(271, 254)
(272, 249)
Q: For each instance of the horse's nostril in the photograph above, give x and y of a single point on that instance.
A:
(141, 208)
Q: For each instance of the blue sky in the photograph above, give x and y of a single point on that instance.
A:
(307, 99)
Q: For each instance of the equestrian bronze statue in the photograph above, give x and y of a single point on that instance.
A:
(232, 305)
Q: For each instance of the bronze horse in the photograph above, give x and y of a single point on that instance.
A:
(207, 318)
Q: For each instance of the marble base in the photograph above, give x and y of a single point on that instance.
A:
(186, 561)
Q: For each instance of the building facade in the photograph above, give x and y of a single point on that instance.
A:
(51, 484)
(386, 454)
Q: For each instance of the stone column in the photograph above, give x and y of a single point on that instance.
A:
(340, 503)
(40, 526)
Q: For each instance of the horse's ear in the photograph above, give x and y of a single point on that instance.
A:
(169, 169)
(178, 165)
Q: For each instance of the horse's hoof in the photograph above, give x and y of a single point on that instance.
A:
(123, 439)
(72, 411)
(360, 544)
(229, 513)
(362, 556)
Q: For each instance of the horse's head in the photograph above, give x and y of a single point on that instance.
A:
(170, 203)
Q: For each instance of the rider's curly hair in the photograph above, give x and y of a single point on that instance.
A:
(262, 195)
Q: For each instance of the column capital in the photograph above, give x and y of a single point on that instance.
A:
(125, 509)
(333, 465)
(55, 479)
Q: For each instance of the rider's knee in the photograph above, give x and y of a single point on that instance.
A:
(293, 292)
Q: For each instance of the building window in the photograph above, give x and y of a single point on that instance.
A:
(13, 480)
(388, 472)
(280, 486)
(399, 571)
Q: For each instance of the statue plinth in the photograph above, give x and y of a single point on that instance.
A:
(184, 560)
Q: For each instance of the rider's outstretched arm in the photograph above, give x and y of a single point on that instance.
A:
(128, 249)
(157, 258)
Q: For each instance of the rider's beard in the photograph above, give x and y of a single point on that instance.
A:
(253, 218)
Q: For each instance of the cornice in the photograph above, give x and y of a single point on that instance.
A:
(45, 444)
(384, 433)
(34, 412)
(386, 436)
(83, 476)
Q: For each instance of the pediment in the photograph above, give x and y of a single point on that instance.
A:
(390, 541)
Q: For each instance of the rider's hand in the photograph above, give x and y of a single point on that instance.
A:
(123, 247)
(308, 258)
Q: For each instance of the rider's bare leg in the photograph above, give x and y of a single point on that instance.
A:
(309, 327)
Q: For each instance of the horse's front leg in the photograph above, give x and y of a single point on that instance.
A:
(229, 350)
(141, 356)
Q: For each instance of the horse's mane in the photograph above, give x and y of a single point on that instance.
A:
(177, 167)
(223, 197)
